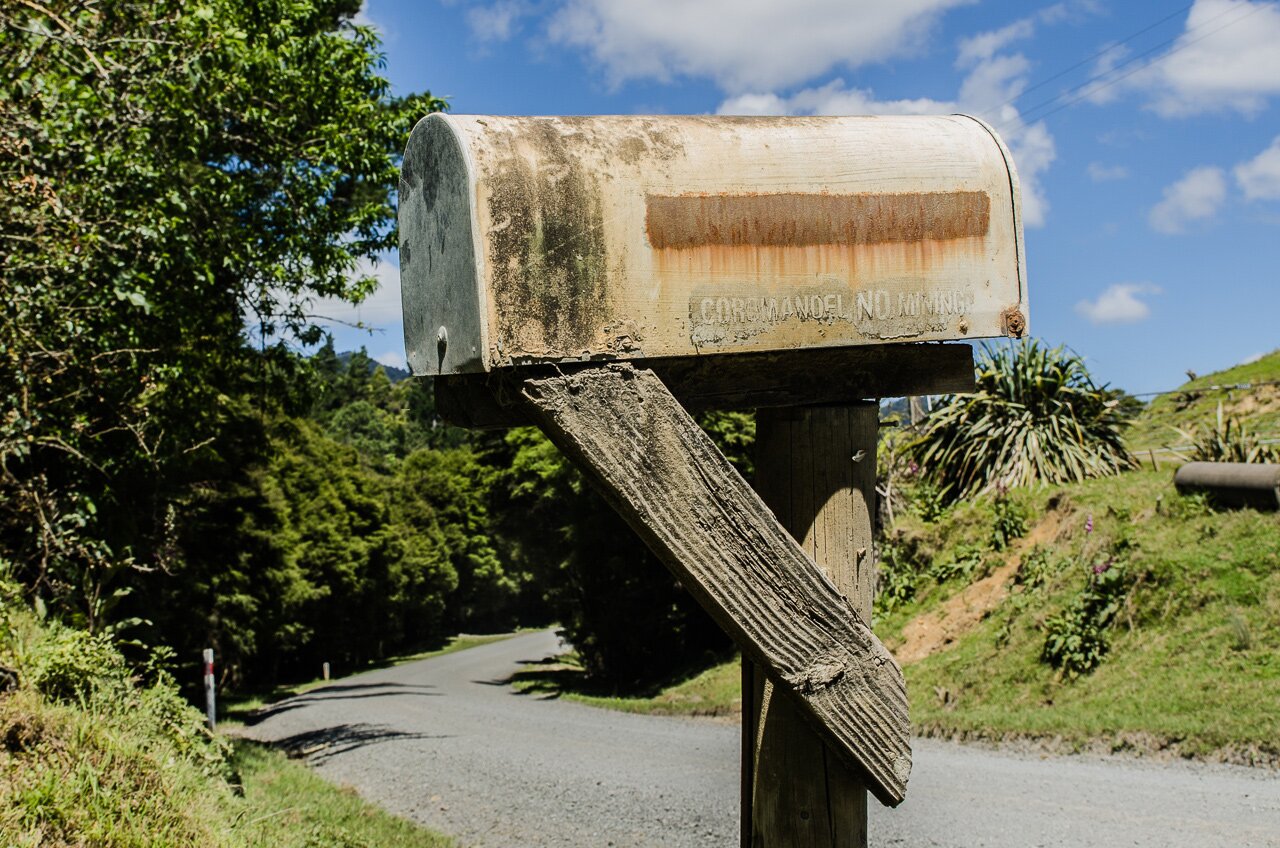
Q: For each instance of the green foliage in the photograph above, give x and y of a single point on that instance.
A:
(72, 665)
(166, 170)
(1010, 521)
(897, 575)
(1036, 417)
(629, 620)
(1076, 639)
(1229, 440)
(965, 562)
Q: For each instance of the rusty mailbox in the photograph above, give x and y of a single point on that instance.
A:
(599, 276)
(558, 239)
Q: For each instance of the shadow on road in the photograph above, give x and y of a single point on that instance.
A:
(319, 745)
(339, 692)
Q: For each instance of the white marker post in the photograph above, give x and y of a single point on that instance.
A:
(210, 689)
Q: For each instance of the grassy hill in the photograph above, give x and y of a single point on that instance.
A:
(1250, 392)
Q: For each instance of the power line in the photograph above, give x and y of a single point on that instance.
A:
(1023, 118)
(1086, 61)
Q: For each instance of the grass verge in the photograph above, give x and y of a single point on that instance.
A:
(93, 753)
(709, 692)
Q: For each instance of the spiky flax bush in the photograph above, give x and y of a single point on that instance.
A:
(1036, 417)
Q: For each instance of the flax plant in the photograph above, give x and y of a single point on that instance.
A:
(1037, 417)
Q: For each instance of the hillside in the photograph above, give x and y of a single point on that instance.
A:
(1250, 392)
(1177, 604)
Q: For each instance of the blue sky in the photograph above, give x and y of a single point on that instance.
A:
(1146, 134)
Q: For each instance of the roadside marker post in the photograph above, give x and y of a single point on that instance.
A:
(602, 277)
(210, 691)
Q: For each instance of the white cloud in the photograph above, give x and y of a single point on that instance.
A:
(381, 309)
(1226, 59)
(1101, 173)
(1196, 197)
(992, 80)
(497, 22)
(985, 44)
(743, 45)
(361, 18)
(1259, 178)
(1119, 304)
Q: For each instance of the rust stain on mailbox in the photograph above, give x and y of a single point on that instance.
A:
(798, 220)
(554, 239)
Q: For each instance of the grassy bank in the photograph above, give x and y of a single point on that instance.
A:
(95, 753)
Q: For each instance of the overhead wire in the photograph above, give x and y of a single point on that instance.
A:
(1109, 48)
(1108, 78)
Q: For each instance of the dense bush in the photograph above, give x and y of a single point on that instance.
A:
(1036, 417)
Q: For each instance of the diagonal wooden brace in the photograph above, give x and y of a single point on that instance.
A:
(666, 478)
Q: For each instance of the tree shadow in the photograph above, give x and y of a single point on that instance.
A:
(322, 744)
(336, 692)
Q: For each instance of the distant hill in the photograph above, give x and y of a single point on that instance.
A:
(395, 374)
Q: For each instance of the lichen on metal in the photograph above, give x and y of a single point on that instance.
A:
(555, 239)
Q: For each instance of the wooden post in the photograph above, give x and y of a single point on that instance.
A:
(816, 469)
(655, 466)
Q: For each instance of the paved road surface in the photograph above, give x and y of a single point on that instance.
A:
(446, 742)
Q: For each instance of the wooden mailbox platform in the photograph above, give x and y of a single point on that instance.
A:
(600, 277)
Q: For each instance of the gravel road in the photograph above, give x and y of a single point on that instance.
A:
(446, 742)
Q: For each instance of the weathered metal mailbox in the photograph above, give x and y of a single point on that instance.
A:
(552, 239)
(601, 276)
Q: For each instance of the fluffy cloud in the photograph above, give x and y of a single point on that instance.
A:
(1225, 59)
(1101, 173)
(1196, 197)
(1119, 304)
(743, 45)
(1259, 178)
(992, 80)
(497, 22)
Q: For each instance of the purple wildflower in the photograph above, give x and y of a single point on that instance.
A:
(1088, 524)
(1101, 568)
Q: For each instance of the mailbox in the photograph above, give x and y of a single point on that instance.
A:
(556, 239)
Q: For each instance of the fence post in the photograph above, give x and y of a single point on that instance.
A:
(210, 690)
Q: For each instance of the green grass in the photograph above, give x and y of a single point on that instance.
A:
(1194, 660)
(236, 707)
(1159, 423)
(122, 763)
(714, 691)
(285, 805)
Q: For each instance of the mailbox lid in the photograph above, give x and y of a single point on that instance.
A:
(527, 239)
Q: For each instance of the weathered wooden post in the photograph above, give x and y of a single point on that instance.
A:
(600, 277)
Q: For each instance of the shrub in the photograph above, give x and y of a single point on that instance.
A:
(1036, 417)
(1228, 441)
(1076, 640)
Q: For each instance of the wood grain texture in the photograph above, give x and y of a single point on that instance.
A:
(743, 381)
(815, 468)
(664, 476)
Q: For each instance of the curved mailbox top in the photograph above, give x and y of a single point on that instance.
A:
(552, 239)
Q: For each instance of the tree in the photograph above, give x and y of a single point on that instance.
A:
(1036, 417)
(169, 171)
